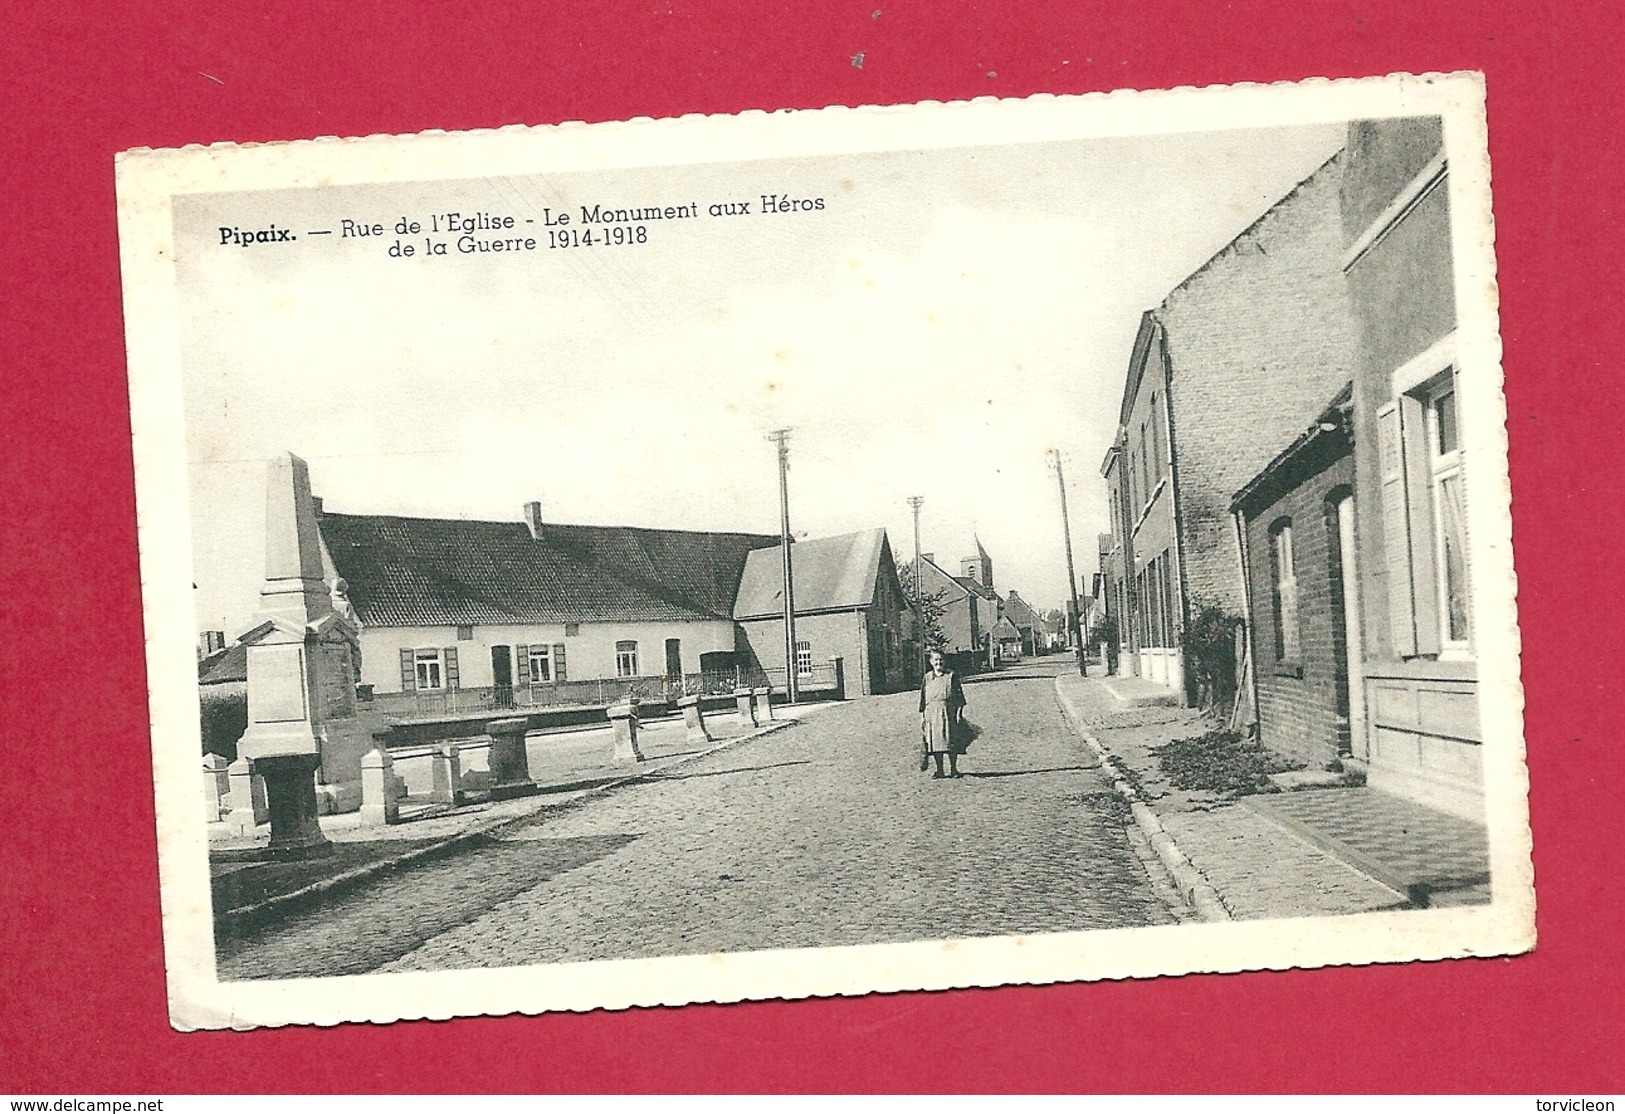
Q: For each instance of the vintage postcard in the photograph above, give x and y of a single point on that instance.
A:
(823, 553)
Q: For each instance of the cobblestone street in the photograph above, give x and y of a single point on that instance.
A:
(822, 834)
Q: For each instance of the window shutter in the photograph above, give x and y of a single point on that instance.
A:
(1396, 531)
(558, 662)
(1419, 497)
(523, 653)
(449, 654)
(409, 677)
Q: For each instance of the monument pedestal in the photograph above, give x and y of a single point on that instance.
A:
(290, 786)
(764, 702)
(510, 764)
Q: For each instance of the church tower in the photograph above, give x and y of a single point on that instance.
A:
(978, 568)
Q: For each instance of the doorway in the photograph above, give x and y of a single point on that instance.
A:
(674, 659)
(502, 676)
(1347, 603)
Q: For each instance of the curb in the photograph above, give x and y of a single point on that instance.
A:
(234, 921)
(1191, 883)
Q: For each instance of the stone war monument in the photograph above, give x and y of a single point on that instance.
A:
(303, 660)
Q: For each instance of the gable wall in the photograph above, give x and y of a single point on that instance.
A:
(1258, 343)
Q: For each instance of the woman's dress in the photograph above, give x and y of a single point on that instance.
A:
(940, 701)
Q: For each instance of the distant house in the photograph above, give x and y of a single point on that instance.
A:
(530, 606)
(966, 616)
(1295, 520)
(1027, 623)
(1006, 640)
(1222, 375)
(848, 604)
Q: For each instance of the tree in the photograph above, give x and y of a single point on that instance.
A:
(932, 607)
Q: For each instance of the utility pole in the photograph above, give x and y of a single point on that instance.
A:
(781, 437)
(915, 502)
(1075, 617)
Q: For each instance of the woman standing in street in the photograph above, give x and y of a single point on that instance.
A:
(942, 705)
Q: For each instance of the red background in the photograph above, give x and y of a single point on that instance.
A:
(82, 977)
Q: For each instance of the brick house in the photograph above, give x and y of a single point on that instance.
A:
(848, 604)
(1220, 377)
(1422, 737)
(1296, 525)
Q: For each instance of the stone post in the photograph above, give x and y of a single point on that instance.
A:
(448, 773)
(839, 665)
(510, 764)
(746, 706)
(624, 717)
(694, 719)
(763, 695)
(216, 788)
(378, 801)
(248, 808)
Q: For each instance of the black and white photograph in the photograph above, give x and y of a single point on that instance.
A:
(826, 552)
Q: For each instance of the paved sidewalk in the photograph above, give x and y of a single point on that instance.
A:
(568, 767)
(1259, 867)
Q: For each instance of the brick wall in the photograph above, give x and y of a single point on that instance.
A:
(1302, 705)
(1258, 341)
(832, 634)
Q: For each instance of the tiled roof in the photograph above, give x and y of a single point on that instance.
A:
(830, 573)
(970, 584)
(442, 572)
(224, 666)
(934, 579)
(1020, 611)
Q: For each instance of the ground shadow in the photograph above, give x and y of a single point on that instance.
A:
(386, 917)
(1028, 773)
(250, 875)
(719, 773)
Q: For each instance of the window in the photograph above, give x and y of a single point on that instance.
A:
(465, 633)
(1449, 514)
(804, 659)
(540, 661)
(1145, 473)
(541, 664)
(430, 672)
(1424, 520)
(1157, 462)
(428, 668)
(571, 630)
(1284, 592)
(626, 659)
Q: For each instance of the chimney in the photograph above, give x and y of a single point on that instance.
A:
(928, 557)
(533, 518)
(316, 502)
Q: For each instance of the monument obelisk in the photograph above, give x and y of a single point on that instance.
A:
(301, 664)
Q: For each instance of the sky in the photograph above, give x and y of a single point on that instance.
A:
(942, 322)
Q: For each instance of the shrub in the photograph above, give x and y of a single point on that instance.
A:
(1106, 631)
(224, 719)
(1219, 762)
(1210, 653)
